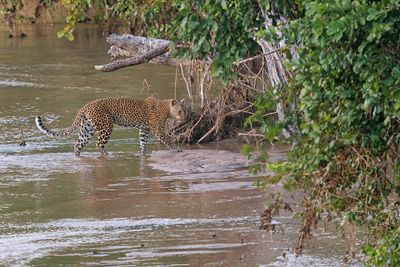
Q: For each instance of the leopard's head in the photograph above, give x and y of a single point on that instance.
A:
(178, 110)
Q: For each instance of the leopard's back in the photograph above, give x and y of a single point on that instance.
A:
(127, 112)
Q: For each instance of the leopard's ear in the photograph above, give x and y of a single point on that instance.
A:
(182, 101)
(174, 102)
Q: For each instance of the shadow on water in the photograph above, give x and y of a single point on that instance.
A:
(195, 208)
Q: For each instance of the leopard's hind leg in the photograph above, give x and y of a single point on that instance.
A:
(103, 132)
(86, 132)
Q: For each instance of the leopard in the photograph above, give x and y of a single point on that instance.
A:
(101, 115)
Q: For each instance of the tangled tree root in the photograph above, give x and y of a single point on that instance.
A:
(219, 119)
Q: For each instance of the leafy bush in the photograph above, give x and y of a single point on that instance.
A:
(347, 82)
(220, 32)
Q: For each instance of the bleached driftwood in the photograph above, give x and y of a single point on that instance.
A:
(129, 50)
(131, 61)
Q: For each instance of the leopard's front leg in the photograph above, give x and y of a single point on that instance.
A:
(167, 140)
(143, 138)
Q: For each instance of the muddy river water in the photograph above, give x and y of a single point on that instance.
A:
(195, 208)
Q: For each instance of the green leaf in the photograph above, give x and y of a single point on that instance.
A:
(60, 34)
(70, 36)
(362, 46)
(263, 129)
(215, 27)
(318, 27)
(183, 22)
(333, 28)
(216, 70)
(223, 5)
(246, 150)
(265, 5)
(372, 14)
(396, 72)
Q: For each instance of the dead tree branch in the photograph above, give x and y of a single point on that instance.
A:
(128, 50)
(144, 58)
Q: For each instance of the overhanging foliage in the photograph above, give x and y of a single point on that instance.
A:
(347, 88)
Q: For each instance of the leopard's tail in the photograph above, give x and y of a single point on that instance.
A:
(60, 133)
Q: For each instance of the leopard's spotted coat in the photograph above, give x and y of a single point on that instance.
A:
(99, 116)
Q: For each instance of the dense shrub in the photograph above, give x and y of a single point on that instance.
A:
(347, 88)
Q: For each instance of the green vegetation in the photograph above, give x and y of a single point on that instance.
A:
(344, 97)
(76, 15)
(347, 93)
(223, 32)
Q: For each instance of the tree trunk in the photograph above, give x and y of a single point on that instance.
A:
(277, 73)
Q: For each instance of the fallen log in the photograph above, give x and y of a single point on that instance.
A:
(131, 61)
(135, 45)
(135, 50)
